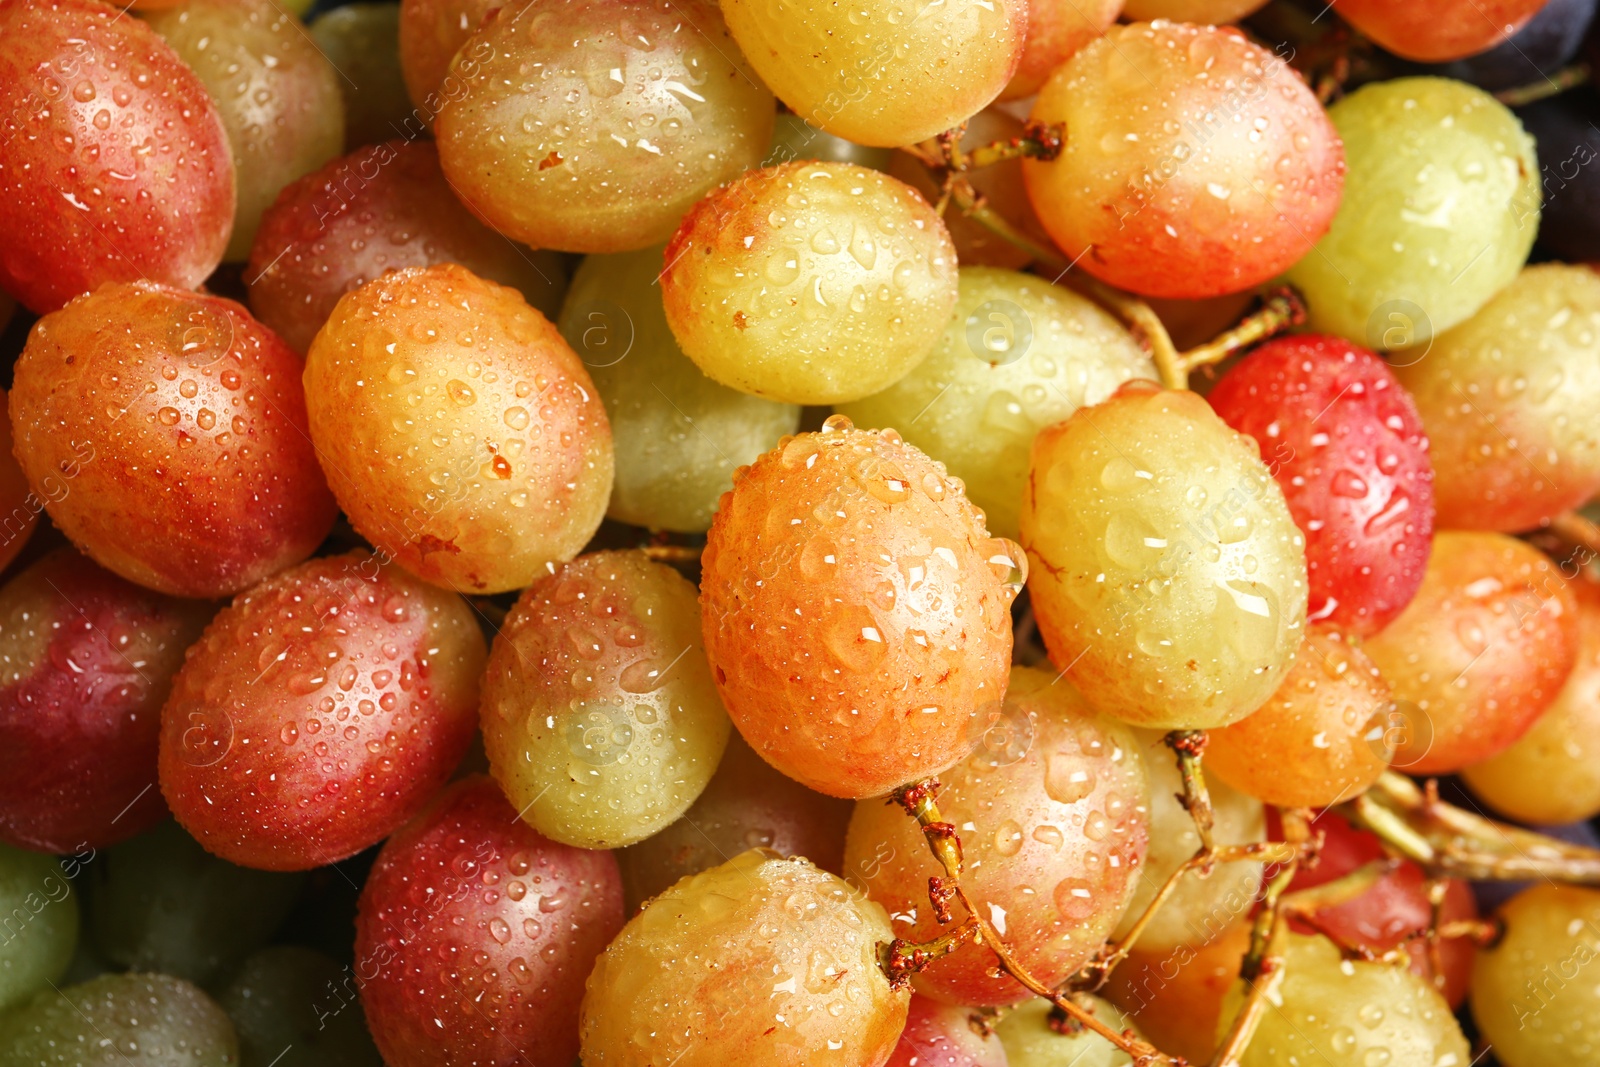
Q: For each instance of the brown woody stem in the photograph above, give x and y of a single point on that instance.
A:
(1551, 85)
(976, 208)
(1281, 310)
(1190, 746)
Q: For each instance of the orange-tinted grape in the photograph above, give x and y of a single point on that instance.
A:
(1176, 996)
(460, 434)
(166, 433)
(1196, 163)
(431, 32)
(19, 507)
(1478, 655)
(1532, 993)
(856, 612)
(1213, 12)
(1435, 31)
(941, 1035)
(1057, 29)
(1054, 826)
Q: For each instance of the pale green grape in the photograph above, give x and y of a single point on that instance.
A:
(1334, 1012)
(1030, 1042)
(289, 997)
(120, 1020)
(1441, 205)
(678, 435)
(362, 41)
(38, 923)
(793, 138)
(1017, 355)
(1534, 994)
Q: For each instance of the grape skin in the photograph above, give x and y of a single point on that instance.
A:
(1435, 31)
(1569, 225)
(431, 33)
(361, 41)
(288, 996)
(1057, 29)
(1030, 1042)
(1548, 42)
(678, 435)
(795, 139)
(1017, 355)
(41, 924)
(940, 1035)
(1176, 996)
(1215, 12)
(1532, 994)
(809, 283)
(1150, 489)
(119, 1020)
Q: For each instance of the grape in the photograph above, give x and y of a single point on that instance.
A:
(40, 924)
(160, 902)
(120, 1020)
(19, 508)
(319, 712)
(679, 435)
(362, 42)
(1568, 141)
(1056, 30)
(940, 1035)
(1531, 994)
(1337, 1013)
(1017, 355)
(548, 149)
(1347, 447)
(380, 208)
(137, 110)
(809, 283)
(1548, 42)
(1196, 162)
(431, 33)
(1175, 997)
(276, 92)
(1434, 31)
(1214, 12)
(1551, 776)
(600, 719)
(1443, 205)
(886, 73)
(1319, 739)
(475, 935)
(793, 138)
(762, 962)
(86, 660)
(1478, 655)
(166, 433)
(1511, 402)
(1053, 814)
(1202, 908)
(856, 613)
(1030, 1042)
(288, 997)
(1168, 577)
(746, 805)
(436, 452)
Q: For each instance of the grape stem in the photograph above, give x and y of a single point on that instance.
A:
(672, 553)
(1546, 87)
(1280, 310)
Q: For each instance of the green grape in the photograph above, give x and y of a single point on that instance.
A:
(160, 902)
(883, 72)
(1534, 994)
(38, 923)
(1168, 577)
(1017, 355)
(1333, 1012)
(362, 41)
(291, 998)
(1440, 209)
(810, 283)
(120, 1020)
(1030, 1042)
(1201, 909)
(678, 435)
(793, 138)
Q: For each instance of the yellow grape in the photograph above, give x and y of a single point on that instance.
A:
(1030, 1042)
(1533, 993)
(1056, 30)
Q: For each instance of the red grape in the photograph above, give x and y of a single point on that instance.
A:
(475, 935)
(1346, 444)
(431, 32)
(320, 711)
(1434, 31)
(113, 161)
(940, 1035)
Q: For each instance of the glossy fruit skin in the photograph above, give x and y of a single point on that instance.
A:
(170, 222)
(824, 303)
(537, 142)
(120, 1020)
(86, 660)
(1356, 283)
(1569, 224)
(600, 719)
(939, 1035)
(166, 432)
(361, 40)
(290, 996)
(855, 647)
(380, 208)
(1176, 996)
(1528, 992)
(885, 74)
(1056, 30)
(746, 805)
(431, 33)
(41, 924)
(679, 435)
(277, 95)
(467, 880)
(525, 469)
(1347, 447)
(1055, 828)
(1551, 775)
(1214, 12)
(1178, 186)
(1440, 30)
(1548, 41)
(761, 961)
(1151, 485)
(19, 507)
(1030, 1041)
(1319, 739)
(1017, 355)
(1491, 604)
(1511, 402)
(319, 712)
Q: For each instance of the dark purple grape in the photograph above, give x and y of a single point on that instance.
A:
(1568, 137)
(1547, 43)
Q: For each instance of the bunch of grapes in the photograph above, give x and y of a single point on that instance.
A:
(679, 533)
